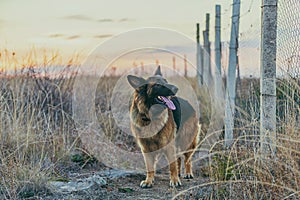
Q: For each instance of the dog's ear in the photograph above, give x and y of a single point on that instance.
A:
(158, 71)
(135, 81)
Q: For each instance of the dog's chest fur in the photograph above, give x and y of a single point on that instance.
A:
(156, 134)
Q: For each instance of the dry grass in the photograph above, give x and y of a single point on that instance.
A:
(36, 128)
(37, 134)
(242, 171)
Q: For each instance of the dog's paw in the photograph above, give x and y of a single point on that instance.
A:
(146, 184)
(188, 176)
(175, 183)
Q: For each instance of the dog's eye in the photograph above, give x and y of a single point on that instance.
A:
(156, 88)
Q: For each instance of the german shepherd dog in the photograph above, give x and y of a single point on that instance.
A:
(163, 124)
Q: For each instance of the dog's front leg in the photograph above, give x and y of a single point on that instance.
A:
(149, 161)
(171, 156)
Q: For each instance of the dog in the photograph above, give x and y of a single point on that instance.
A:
(163, 123)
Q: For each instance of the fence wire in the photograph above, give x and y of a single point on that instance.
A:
(288, 64)
(288, 38)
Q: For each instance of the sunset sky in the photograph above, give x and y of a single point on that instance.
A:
(80, 26)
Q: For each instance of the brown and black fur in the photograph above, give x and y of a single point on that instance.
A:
(160, 130)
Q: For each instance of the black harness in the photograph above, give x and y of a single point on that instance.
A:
(176, 112)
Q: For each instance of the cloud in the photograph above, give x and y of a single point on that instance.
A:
(125, 20)
(105, 20)
(103, 36)
(72, 37)
(185, 48)
(63, 36)
(77, 17)
(56, 35)
(114, 20)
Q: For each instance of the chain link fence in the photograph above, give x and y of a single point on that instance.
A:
(288, 65)
(288, 38)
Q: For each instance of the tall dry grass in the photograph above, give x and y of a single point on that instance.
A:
(243, 171)
(38, 134)
(36, 128)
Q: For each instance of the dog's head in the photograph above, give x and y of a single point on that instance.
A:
(152, 91)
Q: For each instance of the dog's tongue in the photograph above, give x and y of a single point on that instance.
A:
(168, 102)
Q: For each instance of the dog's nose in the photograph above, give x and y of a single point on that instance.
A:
(173, 88)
